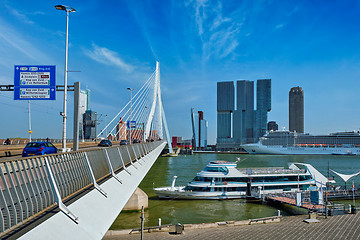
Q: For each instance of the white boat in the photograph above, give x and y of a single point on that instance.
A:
(223, 180)
(285, 142)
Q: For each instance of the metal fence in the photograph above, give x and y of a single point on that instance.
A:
(31, 186)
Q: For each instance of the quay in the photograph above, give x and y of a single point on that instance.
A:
(334, 227)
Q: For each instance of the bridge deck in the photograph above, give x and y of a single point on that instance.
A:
(34, 189)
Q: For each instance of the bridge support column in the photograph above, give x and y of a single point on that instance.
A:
(137, 200)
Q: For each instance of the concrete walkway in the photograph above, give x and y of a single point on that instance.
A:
(335, 227)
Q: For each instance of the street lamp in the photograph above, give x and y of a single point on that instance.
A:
(67, 10)
(131, 90)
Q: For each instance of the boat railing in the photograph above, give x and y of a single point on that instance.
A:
(271, 171)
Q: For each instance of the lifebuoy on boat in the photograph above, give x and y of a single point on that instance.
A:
(225, 183)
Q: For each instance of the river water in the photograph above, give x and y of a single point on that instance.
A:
(202, 211)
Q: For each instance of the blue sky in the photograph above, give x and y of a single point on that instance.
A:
(312, 44)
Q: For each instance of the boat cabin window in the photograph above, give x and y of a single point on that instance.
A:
(202, 179)
(216, 169)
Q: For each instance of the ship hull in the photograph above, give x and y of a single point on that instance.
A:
(257, 148)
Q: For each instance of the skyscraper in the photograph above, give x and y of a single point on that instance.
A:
(225, 106)
(199, 126)
(296, 109)
(243, 123)
(263, 106)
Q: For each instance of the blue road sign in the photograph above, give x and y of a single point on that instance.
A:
(34, 82)
(132, 123)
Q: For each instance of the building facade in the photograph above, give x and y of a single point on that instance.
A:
(240, 123)
(243, 123)
(89, 124)
(296, 109)
(199, 127)
(225, 108)
(263, 106)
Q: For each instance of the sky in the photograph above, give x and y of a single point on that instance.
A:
(115, 45)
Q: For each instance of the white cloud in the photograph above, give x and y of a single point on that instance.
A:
(218, 34)
(108, 57)
(279, 26)
(22, 17)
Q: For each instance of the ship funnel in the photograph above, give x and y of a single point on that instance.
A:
(173, 183)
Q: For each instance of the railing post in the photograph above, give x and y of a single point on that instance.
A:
(123, 161)
(127, 149)
(56, 193)
(93, 180)
(110, 167)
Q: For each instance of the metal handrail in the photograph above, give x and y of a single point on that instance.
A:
(30, 186)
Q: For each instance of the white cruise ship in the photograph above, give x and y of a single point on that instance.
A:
(222, 180)
(285, 142)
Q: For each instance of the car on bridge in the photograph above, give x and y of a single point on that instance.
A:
(105, 143)
(136, 141)
(38, 148)
(124, 142)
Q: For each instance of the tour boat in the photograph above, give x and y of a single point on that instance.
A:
(223, 180)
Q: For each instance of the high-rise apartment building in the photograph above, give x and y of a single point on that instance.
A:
(243, 123)
(89, 124)
(263, 106)
(199, 126)
(225, 106)
(296, 109)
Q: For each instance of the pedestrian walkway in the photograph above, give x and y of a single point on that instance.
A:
(292, 201)
(335, 227)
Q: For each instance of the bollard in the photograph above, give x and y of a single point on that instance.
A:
(349, 208)
(159, 223)
(279, 213)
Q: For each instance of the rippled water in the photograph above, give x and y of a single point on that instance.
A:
(200, 211)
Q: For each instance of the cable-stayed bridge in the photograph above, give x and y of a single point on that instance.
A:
(78, 195)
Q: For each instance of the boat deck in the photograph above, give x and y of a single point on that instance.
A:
(270, 170)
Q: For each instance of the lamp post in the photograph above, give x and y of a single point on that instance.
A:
(67, 10)
(131, 90)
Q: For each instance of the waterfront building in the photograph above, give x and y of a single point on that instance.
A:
(272, 126)
(243, 123)
(296, 109)
(225, 108)
(199, 128)
(263, 106)
(179, 142)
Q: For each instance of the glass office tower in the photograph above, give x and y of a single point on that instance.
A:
(199, 127)
(244, 114)
(263, 106)
(296, 109)
(225, 106)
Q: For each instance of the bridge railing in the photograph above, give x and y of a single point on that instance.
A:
(31, 186)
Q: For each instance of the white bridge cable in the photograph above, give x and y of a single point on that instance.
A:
(129, 109)
(149, 79)
(136, 112)
(139, 114)
(143, 99)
